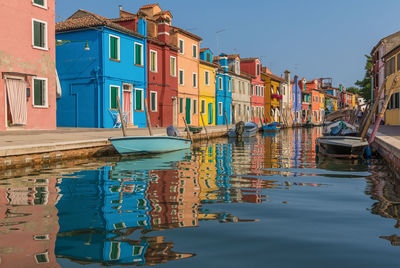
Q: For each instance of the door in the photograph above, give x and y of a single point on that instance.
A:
(210, 113)
(188, 115)
(128, 105)
(16, 111)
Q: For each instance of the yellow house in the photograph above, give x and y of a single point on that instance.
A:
(272, 95)
(207, 72)
(392, 68)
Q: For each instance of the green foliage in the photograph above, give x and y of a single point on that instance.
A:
(354, 90)
(365, 84)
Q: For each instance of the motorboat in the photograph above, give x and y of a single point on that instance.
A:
(342, 147)
(241, 129)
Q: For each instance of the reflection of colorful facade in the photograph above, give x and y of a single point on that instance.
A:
(28, 222)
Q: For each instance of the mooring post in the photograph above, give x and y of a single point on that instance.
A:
(202, 120)
(121, 117)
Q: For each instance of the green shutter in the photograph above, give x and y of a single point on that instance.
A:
(38, 92)
(114, 93)
(180, 105)
(138, 54)
(113, 48)
(114, 254)
(37, 34)
(39, 2)
(153, 101)
(138, 97)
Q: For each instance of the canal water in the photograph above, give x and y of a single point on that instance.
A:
(261, 202)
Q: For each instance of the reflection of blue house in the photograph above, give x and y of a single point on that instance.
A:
(112, 64)
(223, 159)
(223, 92)
(94, 210)
(296, 103)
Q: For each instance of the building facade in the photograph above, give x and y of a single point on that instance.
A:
(273, 97)
(296, 101)
(223, 92)
(392, 67)
(207, 87)
(27, 62)
(115, 66)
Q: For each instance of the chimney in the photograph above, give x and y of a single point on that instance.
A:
(287, 76)
(163, 30)
(142, 24)
(223, 61)
(120, 7)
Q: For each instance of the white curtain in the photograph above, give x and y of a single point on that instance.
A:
(16, 93)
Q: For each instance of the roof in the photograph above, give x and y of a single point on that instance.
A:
(83, 19)
(204, 49)
(382, 40)
(149, 6)
(209, 63)
(189, 34)
(391, 52)
(249, 59)
(274, 77)
(247, 74)
(160, 43)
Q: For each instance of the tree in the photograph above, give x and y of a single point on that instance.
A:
(365, 84)
(354, 90)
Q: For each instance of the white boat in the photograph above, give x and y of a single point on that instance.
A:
(250, 129)
(341, 146)
(149, 144)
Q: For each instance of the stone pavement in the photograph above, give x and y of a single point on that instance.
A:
(392, 131)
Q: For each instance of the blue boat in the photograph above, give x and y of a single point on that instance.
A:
(149, 144)
(272, 127)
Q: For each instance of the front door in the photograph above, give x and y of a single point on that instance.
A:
(210, 113)
(188, 117)
(128, 106)
(16, 108)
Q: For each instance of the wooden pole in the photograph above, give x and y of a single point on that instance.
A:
(371, 113)
(187, 129)
(382, 112)
(227, 123)
(121, 117)
(202, 120)
(148, 118)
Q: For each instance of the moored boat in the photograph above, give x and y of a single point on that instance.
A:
(271, 127)
(341, 146)
(339, 128)
(149, 144)
(248, 130)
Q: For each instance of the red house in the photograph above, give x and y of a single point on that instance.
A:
(27, 65)
(252, 66)
(162, 58)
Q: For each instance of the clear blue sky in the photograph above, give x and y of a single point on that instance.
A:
(311, 38)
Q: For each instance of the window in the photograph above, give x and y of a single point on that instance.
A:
(230, 86)
(258, 69)
(139, 99)
(138, 54)
(40, 3)
(194, 106)
(252, 89)
(114, 47)
(137, 250)
(40, 92)
(181, 77)
(220, 108)
(153, 61)
(194, 80)
(208, 57)
(194, 51)
(220, 83)
(114, 92)
(172, 66)
(42, 257)
(153, 101)
(39, 34)
(181, 46)
(207, 77)
(180, 105)
(114, 250)
(396, 100)
(203, 107)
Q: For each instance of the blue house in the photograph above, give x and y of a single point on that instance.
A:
(296, 104)
(223, 92)
(97, 62)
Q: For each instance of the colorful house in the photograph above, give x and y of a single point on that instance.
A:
(223, 91)
(392, 114)
(207, 87)
(113, 65)
(273, 95)
(188, 75)
(296, 101)
(252, 66)
(240, 90)
(285, 105)
(27, 62)
(162, 56)
(306, 109)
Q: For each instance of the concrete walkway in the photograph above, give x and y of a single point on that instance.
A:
(19, 142)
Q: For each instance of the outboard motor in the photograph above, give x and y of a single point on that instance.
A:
(172, 131)
(239, 129)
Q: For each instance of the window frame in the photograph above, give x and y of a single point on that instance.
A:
(194, 106)
(194, 78)
(170, 61)
(156, 101)
(207, 78)
(46, 89)
(41, 6)
(183, 77)
(220, 108)
(118, 47)
(155, 61)
(197, 51)
(180, 104)
(181, 50)
(141, 55)
(203, 109)
(220, 83)
(119, 95)
(142, 101)
(46, 45)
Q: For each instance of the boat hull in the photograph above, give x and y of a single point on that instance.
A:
(149, 144)
(341, 147)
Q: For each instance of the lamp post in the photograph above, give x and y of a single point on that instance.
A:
(60, 42)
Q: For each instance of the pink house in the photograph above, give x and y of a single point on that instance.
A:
(27, 65)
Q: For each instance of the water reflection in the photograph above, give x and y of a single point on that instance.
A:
(120, 211)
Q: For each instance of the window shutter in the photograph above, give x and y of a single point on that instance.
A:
(39, 2)
(114, 92)
(138, 100)
(153, 101)
(36, 34)
(113, 48)
(38, 92)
